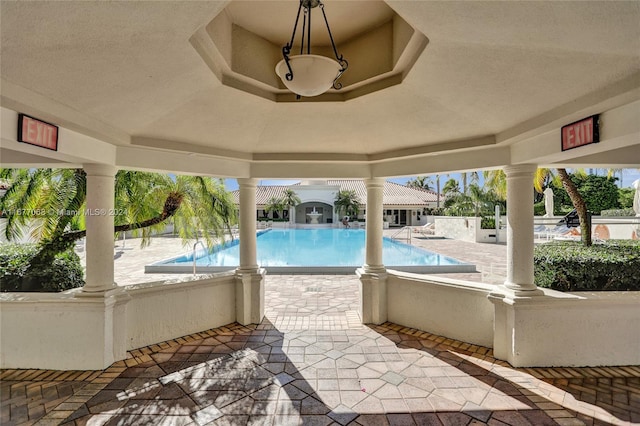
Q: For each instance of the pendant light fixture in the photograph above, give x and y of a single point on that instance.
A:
(307, 74)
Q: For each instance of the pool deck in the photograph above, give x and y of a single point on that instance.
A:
(129, 258)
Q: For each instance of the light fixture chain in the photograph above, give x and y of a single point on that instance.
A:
(304, 29)
(333, 44)
(311, 59)
(343, 62)
(309, 32)
(286, 50)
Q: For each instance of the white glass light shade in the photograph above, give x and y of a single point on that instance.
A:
(312, 74)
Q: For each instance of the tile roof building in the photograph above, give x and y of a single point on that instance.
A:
(403, 205)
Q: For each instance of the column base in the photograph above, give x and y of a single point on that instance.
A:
(515, 291)
(250, 295)
(113, 291)
(106, 323)
(516, 313)
(373, 294)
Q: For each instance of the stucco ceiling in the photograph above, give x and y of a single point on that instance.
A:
(127, 73)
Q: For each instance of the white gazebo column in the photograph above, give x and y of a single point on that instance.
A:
(519, 306)
(100, 308)
(99, 223)
(520, 229)
(249, 276)
(373, 275)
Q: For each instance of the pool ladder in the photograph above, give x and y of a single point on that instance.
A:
(406, 229)
(206, 251)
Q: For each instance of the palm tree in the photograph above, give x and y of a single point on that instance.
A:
(458, 204)
(347, 203)
(424, 182)
(274, 205)
(420, 182)
(478, 198)
(54, 197)
(144, 202)
(497, 179)
(451, 187)
(474, 176)
(290, 199)
(438, 191)
(579, 204)
(544, 177)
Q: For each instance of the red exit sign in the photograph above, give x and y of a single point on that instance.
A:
(37, 132)
(580, 133)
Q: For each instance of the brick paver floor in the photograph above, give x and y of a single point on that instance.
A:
(311, 362)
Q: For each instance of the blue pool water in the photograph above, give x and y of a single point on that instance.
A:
(325, 250)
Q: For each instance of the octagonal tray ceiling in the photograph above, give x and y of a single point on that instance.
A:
(493, 73)
(243, 44)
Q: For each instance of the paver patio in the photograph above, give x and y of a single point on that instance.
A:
(311, 362)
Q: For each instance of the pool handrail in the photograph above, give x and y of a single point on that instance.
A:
(194, 254)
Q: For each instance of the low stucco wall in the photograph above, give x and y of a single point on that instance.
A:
(61, 331)
(166, 310)
(452, 308)
(467, 229)
(568, 329)
(457, 228)
(604, 227)
(75, 331)
(552, 329)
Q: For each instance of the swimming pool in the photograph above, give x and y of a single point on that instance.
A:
(313, 251)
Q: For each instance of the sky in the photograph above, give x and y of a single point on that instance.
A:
(628, 177)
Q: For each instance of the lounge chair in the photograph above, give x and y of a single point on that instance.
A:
(426, 230)
(542, 232)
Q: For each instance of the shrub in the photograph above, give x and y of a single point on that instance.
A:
(625, 197)
(539, 209)
(433, 211)
(571, 266)
(64, 273)
(618, 212)
(488, 223)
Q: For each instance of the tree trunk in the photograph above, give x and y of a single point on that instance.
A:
(60, 243)
(171, 206)
(579, 204)
(438, 191)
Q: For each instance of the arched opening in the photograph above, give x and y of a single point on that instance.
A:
(314, 212)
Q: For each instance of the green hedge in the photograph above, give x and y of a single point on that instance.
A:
(570, 266)
(618, 212)
(488, 223)
(64, 273)
(539, 209)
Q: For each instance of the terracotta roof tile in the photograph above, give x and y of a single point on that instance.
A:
(394, 194)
